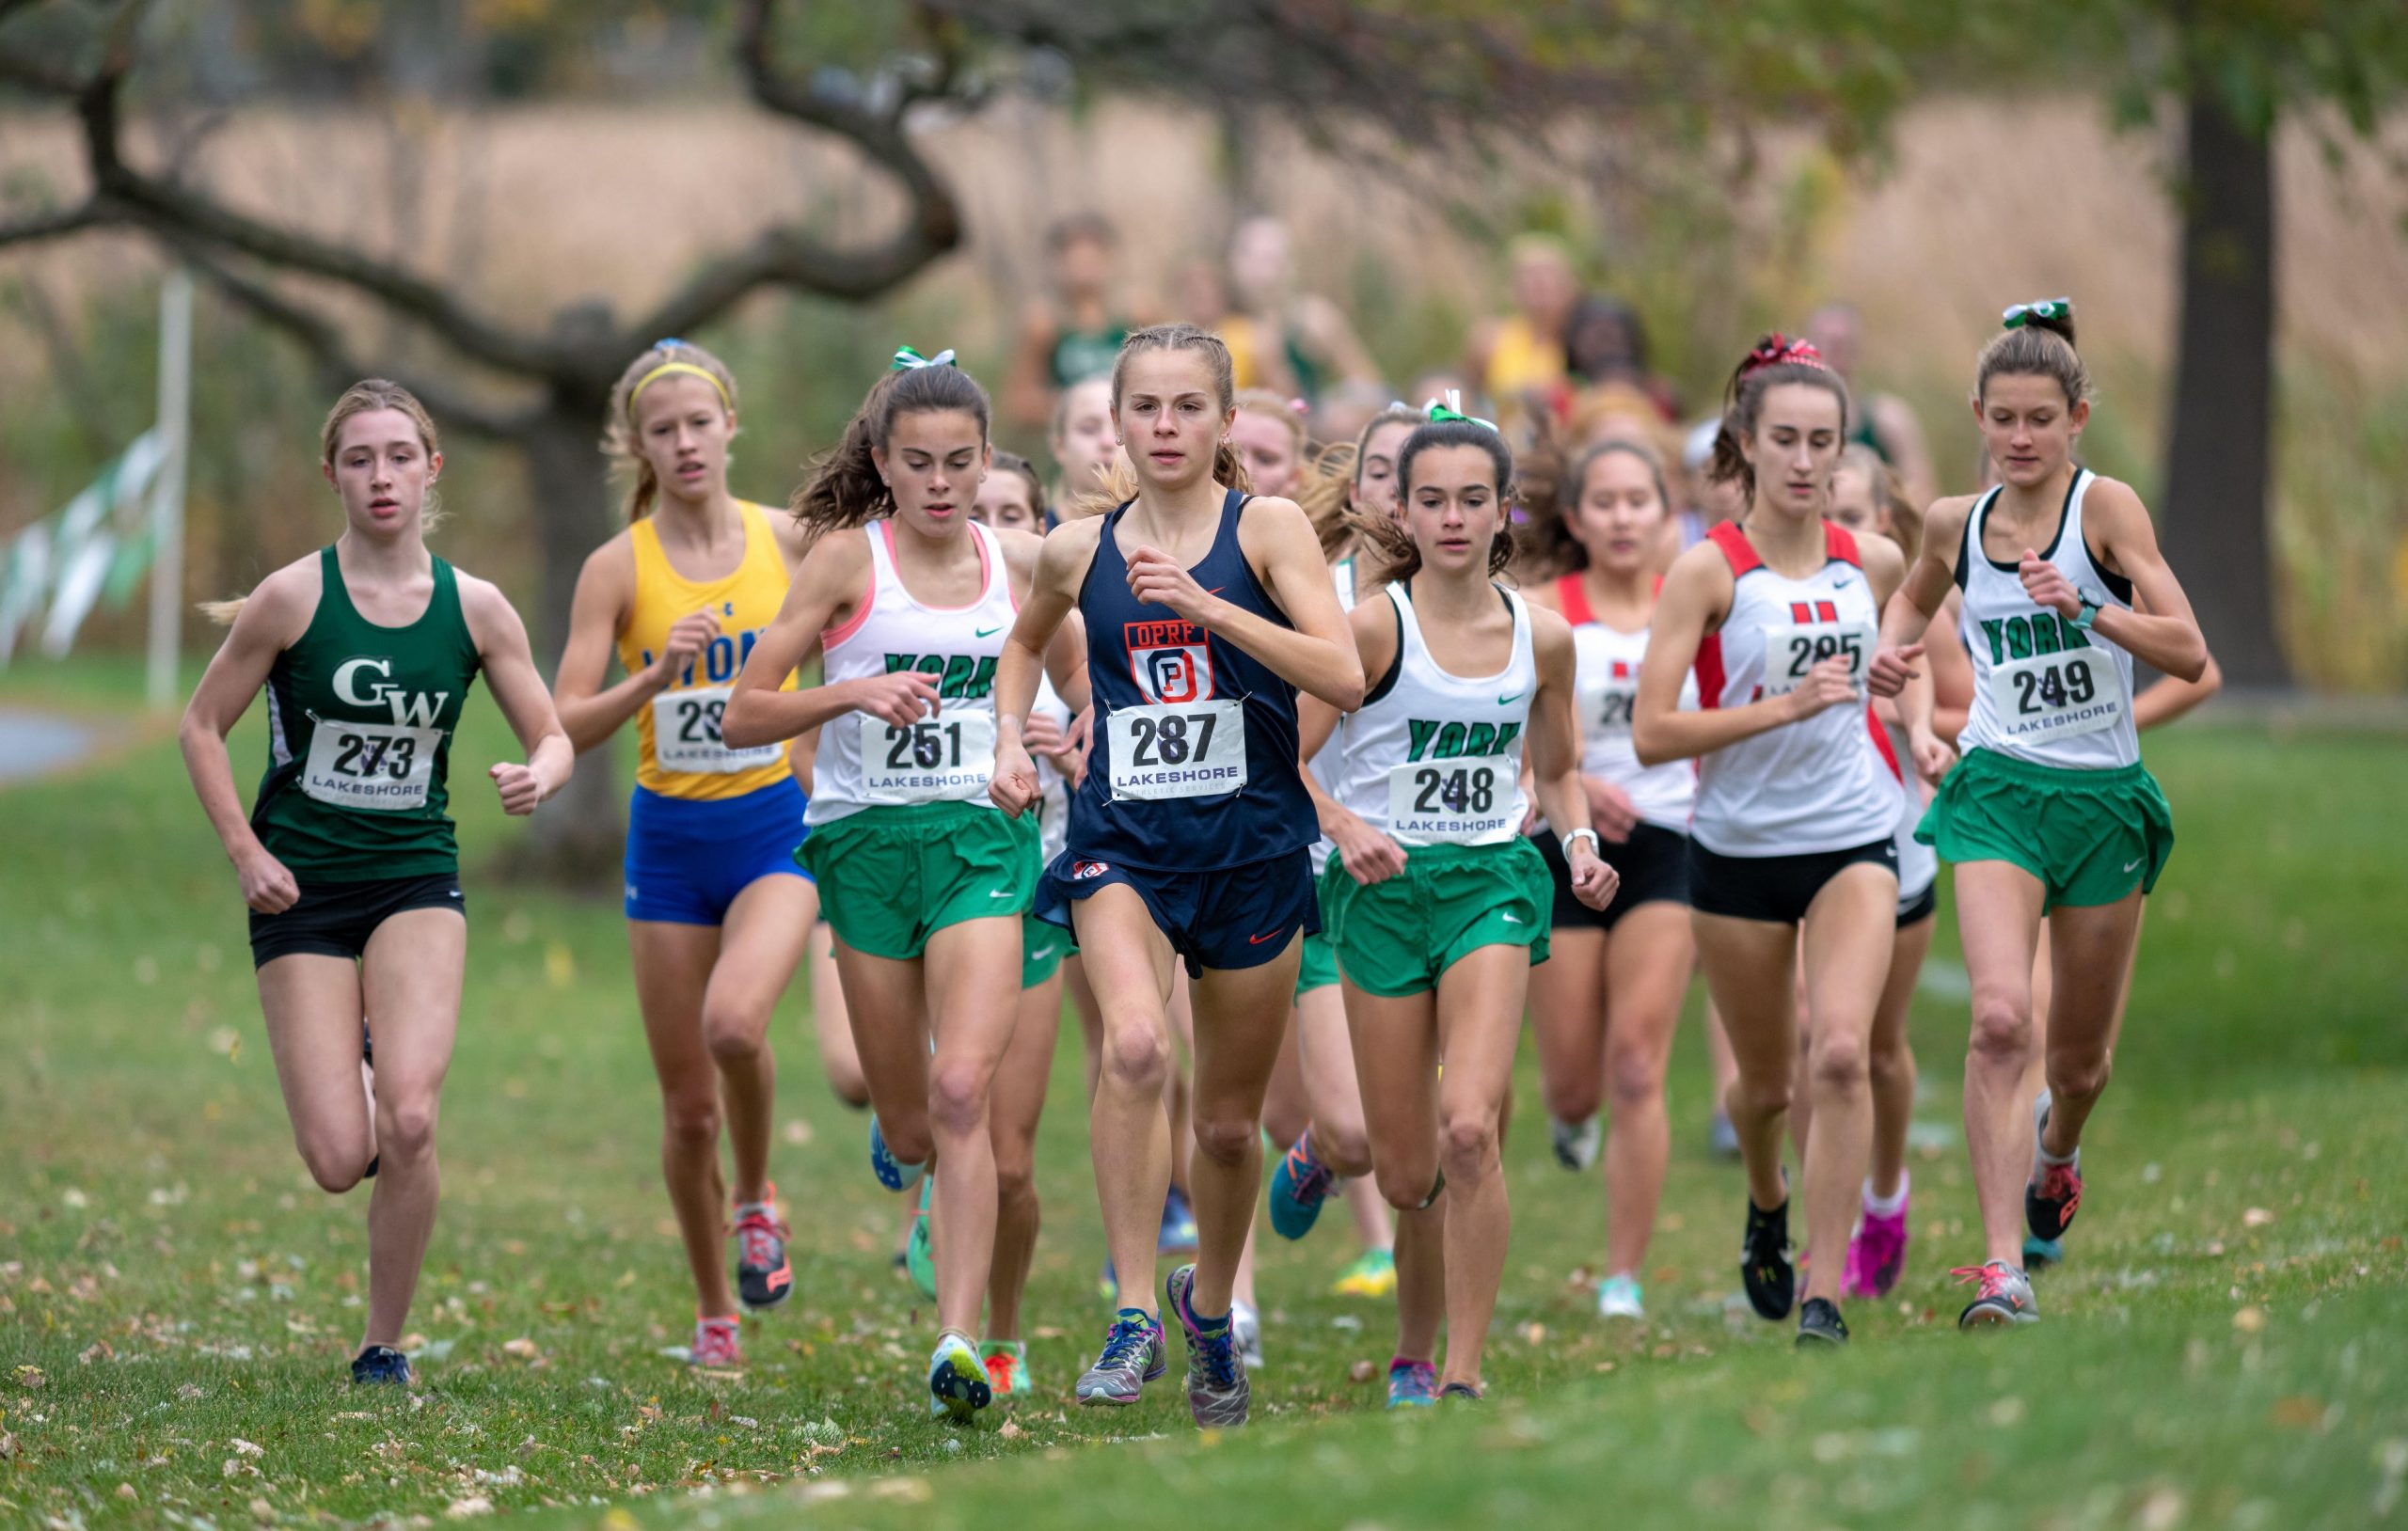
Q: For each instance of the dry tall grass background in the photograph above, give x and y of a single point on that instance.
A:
(1981, 202)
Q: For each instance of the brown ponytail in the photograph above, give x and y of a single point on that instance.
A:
(2040, 345)
(845, 489)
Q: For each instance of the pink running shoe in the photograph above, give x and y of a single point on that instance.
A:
(1877, 1252)
(717, 1342)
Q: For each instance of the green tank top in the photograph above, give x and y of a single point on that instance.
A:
(359, 721)
(1861, 433)
(1083, 353)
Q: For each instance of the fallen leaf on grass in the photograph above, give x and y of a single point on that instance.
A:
(125, 1490)
(236, 1467)
(2161, 1511)
(2249, 1320)
(910, 1491)
(29, 1377)
(523, 1348)
(2257, 1217)
(461, 1509)
(1362, 1371)
(1009, 1431)
(2300, 1412)
(246, 1448)
(97, 1350)
(189, 1392)
(8, 1445)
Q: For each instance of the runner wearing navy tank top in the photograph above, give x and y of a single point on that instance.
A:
(1798, 799)
(1190, 836)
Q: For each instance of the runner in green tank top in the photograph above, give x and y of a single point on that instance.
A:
(367, 650)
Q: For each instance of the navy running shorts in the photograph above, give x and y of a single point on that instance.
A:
(1235, 917)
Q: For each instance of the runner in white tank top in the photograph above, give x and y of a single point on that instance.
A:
(1792, 844)
(2049, 815)
(910, 601)
(1605, 1004)
(1436, 902)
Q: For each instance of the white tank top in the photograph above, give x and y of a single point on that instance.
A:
(2044, 690)
(1435, 759)
(1608, 679)
(1822, 784)
(865, 762)
(1331, 760)
(1052, 788)
(1918, 863)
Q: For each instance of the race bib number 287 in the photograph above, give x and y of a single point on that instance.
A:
(1177, 749)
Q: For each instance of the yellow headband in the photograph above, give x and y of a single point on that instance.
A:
(665, 368)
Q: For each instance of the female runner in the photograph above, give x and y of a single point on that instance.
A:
(1791, 846)
(1438, 904)
(1190, 836)
(925, 885)
(366, 648)
(717, 910)
(1605, 1006)
(2049, 816)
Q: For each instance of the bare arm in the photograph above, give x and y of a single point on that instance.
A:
(1554, 761)
(834, 578)
(1367, 855)
(2172, 698)
(1028, 387)
(509, 665)
(1907, 611)
(1053, 595)
(1697, 594)
(2160, 629)
(1902, 441)
(604, 598)
(270, 620)
(1316, 654)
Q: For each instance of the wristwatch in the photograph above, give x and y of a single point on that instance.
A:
(2089, 611)
(1591, 836)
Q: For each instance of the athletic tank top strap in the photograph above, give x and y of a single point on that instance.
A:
(1840, 544)
(1572, 593)
(1195, 762)
(360, 719)
(1736, 550)
(1968, 546)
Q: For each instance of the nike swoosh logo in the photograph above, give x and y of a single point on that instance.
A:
(989, 632)
(1258, 941)
(1507, 701)
(1001, 892)
(2134, 863)
(1516, 919)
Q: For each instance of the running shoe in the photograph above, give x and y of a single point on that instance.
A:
(2005, 1298)
(1618, 1297)
(1134, 1355)
(2053, 1194)
(1820, 1323)
(1006, 1364)
(1107, 1282)
(1460, 1392)
(2039, 1254)
(1217, 1394)
(717, 1342)
(1372, 1274)
(1412, 1385)
(764, 1276)
(1765, 1267)
(919, 1252)
(1179, 1224)
(1721, 1138)
(958, 1384)
(1575, 1143)
(892, 1173)
(380, 1364)
(1248, 1325)
(1876, 1252)
(1298, 1187)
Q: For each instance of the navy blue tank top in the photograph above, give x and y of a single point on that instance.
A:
(1167, 787)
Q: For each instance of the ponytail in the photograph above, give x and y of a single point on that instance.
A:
(845, 488)
(2037, 341)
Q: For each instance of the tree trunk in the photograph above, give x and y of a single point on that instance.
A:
(2215, 510)
(575, 840)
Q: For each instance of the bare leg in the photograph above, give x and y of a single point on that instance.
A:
(1647, 974)
(1568, 1021)
(1750, 968)
(410, 982)
(1479, 1015)
(1998, 922)
(673, 967)
(760, 944)
(1847, 936)
(1240, 1015)
(1015, 1106)
(2092, 948)
(829, 1024)
(1396, 1060)
(1129, 962)
(1893, 1058)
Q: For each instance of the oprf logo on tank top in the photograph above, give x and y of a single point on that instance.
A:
(411, 709)
(1171, 661)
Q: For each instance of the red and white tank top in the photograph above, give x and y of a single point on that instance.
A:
(1604, 683)
(1829, 782)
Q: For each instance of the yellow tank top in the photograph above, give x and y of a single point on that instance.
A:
(682, 755)
(1521, 359)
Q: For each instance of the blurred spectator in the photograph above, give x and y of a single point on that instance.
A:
(1518, 358)
(1882, 421)
(1291, 342)
(1074, 332)
(1341, 413)
(1606, 344)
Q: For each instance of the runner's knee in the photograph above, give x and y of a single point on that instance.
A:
(1223, 1139)
(958, 1098)
(405, 1129)
(1467, 1147)
(689, 1117)
(1837, 1061)
(2001, 1027)
(1138, 1059)
(1634, 1078)
(336, 1159)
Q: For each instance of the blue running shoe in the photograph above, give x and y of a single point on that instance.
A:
(1298, 1187)
(1134, 1355)
(2040, 1253)
(1218, 1392)
(1412, 1385)
(381, 1363)
(920, 1254)
(892, 1173)
(1179, 1224)
(957, 1382)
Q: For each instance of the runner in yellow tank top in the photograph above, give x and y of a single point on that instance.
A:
(717, 912)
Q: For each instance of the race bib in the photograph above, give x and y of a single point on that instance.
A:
(373, 766)
(2058, 696)
(1466, 802)
(1790, 652)
(685, 734)
(947, 758)
(1177, 749)
(1611, 709)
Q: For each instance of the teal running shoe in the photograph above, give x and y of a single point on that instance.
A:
(1298, 1188)
(891, 1172)
(1412, 1385)
(919, 1255)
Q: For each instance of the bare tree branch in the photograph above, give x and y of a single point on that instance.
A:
(337, 366)
(94, 213)
(788, 256)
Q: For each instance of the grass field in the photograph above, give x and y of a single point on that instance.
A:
(2227, 1347)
